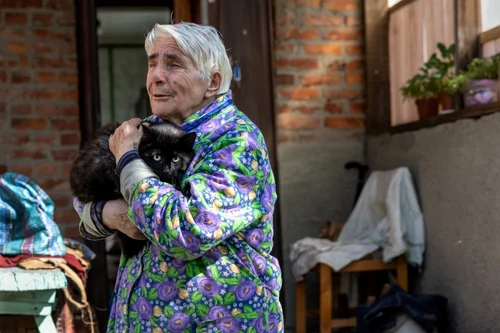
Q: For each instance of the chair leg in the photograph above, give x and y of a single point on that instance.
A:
(325, 310)
(300, 307)
(402, 272)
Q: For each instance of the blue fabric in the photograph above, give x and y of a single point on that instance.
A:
(26, 219)
(428, 311)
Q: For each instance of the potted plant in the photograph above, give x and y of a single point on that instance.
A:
(424, 88)
(479, 83)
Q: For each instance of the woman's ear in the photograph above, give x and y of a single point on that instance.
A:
(214, 85)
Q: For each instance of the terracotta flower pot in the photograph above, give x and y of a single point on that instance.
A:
(427, 107)
(446, 101)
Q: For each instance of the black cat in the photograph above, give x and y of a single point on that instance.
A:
(164, 147)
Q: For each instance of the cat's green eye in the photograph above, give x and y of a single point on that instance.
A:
(157, 157)
(175, 159)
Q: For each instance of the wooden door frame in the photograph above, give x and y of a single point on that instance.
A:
(89, 103)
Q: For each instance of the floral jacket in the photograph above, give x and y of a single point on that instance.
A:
(208, 266)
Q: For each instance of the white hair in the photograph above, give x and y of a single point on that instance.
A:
(202, 44)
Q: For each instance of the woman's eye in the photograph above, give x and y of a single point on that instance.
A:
(157, 157)
(175, 159)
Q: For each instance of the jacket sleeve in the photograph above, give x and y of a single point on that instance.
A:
(231, 188)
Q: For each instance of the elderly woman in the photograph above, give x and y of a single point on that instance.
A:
(207, 267)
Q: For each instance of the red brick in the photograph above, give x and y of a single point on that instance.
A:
(23, 61)
(326, 20)
(354, 65)
(71, 232)
(53, 184)
(10, 32)
(297, 33)
(285, 18)
(20, 109)
(54, 62)
(3, 109)
(70, 139)
(357, 107)
(3, 168)
(16, 18)
(307, 110)
(297, 63)
(43, 19)
(20, 4)
(46, 138)
(46, 110)
(55, 34)
(333, 108)
(17, 48)
(67, 18)
(354, 78)
(18, 78)
(44, 48)
(286, 47)
(3, 76)
(307, 136)
(59, 4)
(66, 169)
(314, 3)
(285, 79)
(324, 48)
(9, 93)
(22, 168)
(284, 109)
(343, 93)
(291, 121)
(19, 139)
(31, 153)
(297, 2)
(354, 49)
(343, 34)
(353, 21)
(300, 93)
(340, 4)
(52, 94)
(287, 136)
(65, 124)
(46, 169)
(45, 77)
(61, 198)
(320, 79)
(35, 124)
(64, 155)
(344, 122)
(66, 215)
(70, 78)
(70, 110)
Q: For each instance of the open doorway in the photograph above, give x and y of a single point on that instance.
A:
(110, 37)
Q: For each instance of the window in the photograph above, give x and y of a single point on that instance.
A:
(402, 34)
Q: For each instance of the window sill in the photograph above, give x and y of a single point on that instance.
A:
(466, 113)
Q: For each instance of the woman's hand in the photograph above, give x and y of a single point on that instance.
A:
(114, 216)
(126, 138)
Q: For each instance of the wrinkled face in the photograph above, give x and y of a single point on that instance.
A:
(175, 87)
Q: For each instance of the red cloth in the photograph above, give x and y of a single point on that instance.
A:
(12, 261)
(71, 260)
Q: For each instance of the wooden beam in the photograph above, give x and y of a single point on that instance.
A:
(182, 11)
(467, 23)
(489, 35)
(377, 66)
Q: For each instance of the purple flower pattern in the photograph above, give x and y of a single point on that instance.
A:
(208, 264)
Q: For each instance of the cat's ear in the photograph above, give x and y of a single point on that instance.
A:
(147, 135)
(187, 140)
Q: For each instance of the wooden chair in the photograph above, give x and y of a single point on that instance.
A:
(326, 291)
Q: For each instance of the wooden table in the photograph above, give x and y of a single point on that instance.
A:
(31, 293)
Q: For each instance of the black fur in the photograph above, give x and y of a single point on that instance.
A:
(164, 147)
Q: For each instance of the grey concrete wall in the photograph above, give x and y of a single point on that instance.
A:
(314, 187)
(456, 168)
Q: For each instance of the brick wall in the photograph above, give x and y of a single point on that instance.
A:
(40, 131)
(319, 68)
